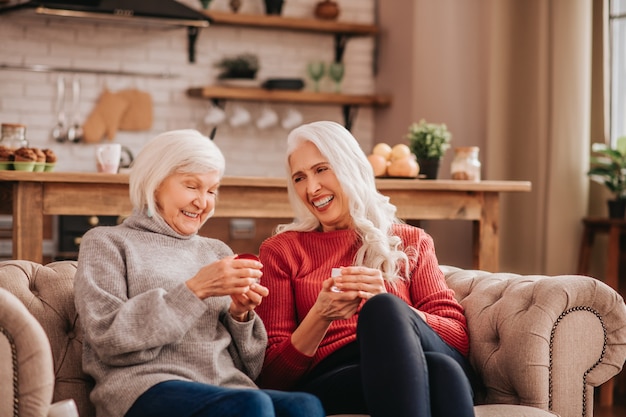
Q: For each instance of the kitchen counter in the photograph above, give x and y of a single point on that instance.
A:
(28, 196)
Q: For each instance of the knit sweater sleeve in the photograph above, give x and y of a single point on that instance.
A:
(284, 364)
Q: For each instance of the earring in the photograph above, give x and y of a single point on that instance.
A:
(149, 212)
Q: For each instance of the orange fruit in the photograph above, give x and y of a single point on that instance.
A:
(379, 164)
(403, 167)
(400, 151)
(382, 149)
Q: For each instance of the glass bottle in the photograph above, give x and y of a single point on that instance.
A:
(13, 136)
(465, 165)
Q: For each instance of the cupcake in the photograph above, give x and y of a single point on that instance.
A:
(25, 159)
(6, 158)
(41, 159)
(51, 159)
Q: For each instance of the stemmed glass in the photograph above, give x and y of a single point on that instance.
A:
(335, 72)
(316, 70)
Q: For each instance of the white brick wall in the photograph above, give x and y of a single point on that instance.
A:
(29, 97)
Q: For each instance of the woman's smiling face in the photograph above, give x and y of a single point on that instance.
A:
(185, 200)
(318, 187)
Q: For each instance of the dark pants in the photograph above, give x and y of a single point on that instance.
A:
(398, 367)
(193, 399)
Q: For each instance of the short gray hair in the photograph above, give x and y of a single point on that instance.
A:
(177, 151)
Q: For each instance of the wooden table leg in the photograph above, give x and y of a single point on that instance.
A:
(486, 240)
(28, 221)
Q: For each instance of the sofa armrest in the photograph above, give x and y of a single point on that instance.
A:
(48, 293)
(542, 341)
(25, 361)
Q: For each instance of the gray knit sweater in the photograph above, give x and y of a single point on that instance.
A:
(141, 323)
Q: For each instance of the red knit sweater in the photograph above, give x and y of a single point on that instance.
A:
(294, 266)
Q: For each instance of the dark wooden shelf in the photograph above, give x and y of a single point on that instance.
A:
(290, 23)
(287, 96)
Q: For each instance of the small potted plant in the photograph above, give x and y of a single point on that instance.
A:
(429, 142)
(244, 66)
(608, 167)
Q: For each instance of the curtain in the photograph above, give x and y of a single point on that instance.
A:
(537, 128)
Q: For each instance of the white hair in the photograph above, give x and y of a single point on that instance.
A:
(372, 213)
(177, 151)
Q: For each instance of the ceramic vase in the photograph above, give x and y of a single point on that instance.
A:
(617, 208)
(429, 167)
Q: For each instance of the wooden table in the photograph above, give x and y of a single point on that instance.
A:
(28, 196)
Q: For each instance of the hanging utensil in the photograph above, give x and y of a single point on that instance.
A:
(75, 131)
(58, 133)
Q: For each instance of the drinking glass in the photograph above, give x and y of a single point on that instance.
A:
(335, 72)
(316, 70)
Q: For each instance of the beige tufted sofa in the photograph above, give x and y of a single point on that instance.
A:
(540, 344)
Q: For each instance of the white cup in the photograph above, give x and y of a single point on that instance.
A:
(240, 116)
(108, 157)
(267, 119)
(214, 116)
(291, 119)
(64, 408)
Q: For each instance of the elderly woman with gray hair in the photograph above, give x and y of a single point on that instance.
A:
(168, 315)
(358, 312)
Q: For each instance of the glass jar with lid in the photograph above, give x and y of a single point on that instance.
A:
(466, 165)
(13, 135)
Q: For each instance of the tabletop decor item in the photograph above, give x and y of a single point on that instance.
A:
(429, 142)
(608, 167)
(466, 166)
(327, 10)
(243, 66)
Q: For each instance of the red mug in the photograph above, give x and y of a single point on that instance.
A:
(247, 256)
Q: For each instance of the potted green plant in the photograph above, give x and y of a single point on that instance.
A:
(608, 167)
(244, 66)
(429, 142)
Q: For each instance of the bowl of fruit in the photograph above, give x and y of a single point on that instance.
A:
(393, 161)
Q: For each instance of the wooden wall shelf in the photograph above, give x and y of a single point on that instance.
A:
(349, 102)
(290, 23)
(287, 96)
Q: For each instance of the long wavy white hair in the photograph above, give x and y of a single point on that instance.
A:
(372, 213)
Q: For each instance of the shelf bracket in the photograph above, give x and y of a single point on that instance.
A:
(349, 114)
(192, 37)
(221, 103)
(340, 46)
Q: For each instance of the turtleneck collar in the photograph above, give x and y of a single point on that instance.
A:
(155, 224)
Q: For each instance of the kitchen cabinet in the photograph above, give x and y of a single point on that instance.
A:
(341, 31)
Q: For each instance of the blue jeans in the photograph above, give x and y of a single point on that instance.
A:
(194, 399)
(398, 367)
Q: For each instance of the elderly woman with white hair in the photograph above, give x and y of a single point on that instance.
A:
(168, 315)
(359, 312)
